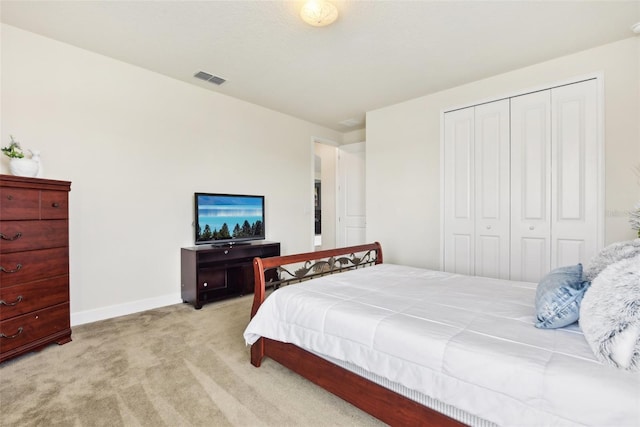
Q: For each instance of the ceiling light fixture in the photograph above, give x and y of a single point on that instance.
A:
(318, 13)
(636, 28)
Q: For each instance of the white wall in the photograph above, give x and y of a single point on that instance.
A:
(638, 119)
(403, 149)
(358, 135)
(136, 146)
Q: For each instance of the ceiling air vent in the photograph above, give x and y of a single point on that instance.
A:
(209, 78)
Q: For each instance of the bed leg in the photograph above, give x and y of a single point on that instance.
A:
(257, 353)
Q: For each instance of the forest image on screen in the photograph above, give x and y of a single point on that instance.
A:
(228, 217)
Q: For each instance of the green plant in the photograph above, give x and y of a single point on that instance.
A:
(14, 150)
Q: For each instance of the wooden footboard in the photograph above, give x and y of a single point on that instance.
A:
(382, 403)
(314, 264)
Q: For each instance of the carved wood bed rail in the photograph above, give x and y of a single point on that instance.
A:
(382, 403)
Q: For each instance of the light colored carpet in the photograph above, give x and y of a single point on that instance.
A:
(172, 366)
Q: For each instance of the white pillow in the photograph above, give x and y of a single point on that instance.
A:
(610, 314)
(612, 253)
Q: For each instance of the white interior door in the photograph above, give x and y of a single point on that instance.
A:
(459, 189)
(492, 231)
(351, 207)
(575, 177)
(530, 186)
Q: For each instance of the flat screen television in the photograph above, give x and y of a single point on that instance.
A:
(228, 218)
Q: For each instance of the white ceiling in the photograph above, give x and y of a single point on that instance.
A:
(377, 53)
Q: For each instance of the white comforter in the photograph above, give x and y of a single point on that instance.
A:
(466, 341)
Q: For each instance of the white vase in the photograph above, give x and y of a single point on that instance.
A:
(35, 156)
(23, 167)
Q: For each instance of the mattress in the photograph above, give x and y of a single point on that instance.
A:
(469, 342)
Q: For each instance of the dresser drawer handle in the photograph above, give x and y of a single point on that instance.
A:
(10, 337)
(16, 237)
(11, 304)
(4, 270)
(55, 205)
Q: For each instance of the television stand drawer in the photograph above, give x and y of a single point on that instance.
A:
(228, 253)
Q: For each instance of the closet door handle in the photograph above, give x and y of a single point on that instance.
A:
(531, 227)
(15, 237)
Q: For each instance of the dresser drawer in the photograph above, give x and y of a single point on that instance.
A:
(21, 299)
(16, 236)
(23, 267)
(54, 204)
(19, 203)
(27, 328)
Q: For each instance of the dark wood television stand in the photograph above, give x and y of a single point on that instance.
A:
(211, 273)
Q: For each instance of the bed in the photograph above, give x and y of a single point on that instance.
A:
(413, 346)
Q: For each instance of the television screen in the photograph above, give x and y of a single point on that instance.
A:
(228, 218)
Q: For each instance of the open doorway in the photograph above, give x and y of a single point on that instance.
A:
(339, 217)
(324, 196)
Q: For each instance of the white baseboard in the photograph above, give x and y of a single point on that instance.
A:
(111, 311)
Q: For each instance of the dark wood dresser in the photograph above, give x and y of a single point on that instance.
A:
(34, 264)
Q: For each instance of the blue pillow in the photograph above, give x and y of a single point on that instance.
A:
(558, 297)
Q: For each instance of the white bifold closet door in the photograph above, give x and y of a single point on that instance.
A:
(554, 179)
(459, 192)
(522, 184)
(531, 186)
(476, 190)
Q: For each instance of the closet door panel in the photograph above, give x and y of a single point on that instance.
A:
(488, 256)
(533, 258)
(530, 186)
(531, 152)
(459, 191)
(574, 173)
(568, 252)
(491, 159)
(568, 160)
(461, 261)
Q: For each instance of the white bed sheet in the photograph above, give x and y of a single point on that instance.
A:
(466, 341)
